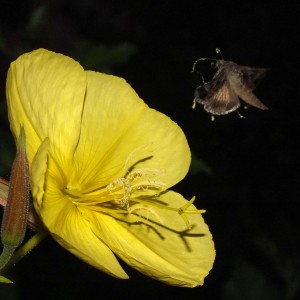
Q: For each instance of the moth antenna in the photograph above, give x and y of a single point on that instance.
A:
(218, 51)
(203, 58)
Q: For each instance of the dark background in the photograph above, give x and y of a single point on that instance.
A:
(244, 171)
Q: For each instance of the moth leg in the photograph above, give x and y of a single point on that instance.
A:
(241, 116)
(194, 103)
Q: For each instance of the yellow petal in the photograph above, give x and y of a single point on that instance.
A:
(161, 246)
(45, 92)
(64, 220)
(73, 232)
(67, 225)
(170, 150)
(116, 126)
(38, 173)
(111, 108)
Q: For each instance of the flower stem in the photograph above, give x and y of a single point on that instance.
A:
(9, 257)
(6, 255)
(25, 248)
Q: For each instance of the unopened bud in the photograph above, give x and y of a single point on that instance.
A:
(16, 211)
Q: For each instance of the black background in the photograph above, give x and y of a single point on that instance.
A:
(244, 172)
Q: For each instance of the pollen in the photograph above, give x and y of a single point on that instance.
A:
(140, 179)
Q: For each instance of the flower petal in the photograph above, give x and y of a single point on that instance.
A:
(38, 173)
(117, 125)
(45, 92)
(64, 220)
(111, 108)
(73, 232)
(168, 252)
(170, 150)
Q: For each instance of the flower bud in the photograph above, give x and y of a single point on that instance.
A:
(16, 211)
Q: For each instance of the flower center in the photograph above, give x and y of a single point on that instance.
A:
(136, 192)
(120, 194)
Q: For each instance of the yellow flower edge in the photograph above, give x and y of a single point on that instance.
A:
(101, 165)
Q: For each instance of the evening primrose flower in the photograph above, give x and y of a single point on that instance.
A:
(102, 163)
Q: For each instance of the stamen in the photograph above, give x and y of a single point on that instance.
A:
(149, 211)
(125, 184)
(182, 211)
(138, 154)
(121, 196)
(128, 187)
(145, 185)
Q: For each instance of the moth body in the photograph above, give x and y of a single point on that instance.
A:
(230, 83)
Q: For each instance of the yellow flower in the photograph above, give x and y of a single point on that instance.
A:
(101, 165)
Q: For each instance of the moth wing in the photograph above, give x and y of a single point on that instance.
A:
(251, 77)
(217, 96)
(204, 92)
(244, 80)
(223, 101)
(247, 96)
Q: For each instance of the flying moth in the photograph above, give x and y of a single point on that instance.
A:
(230, 83)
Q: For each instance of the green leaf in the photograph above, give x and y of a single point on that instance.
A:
(5, 280)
